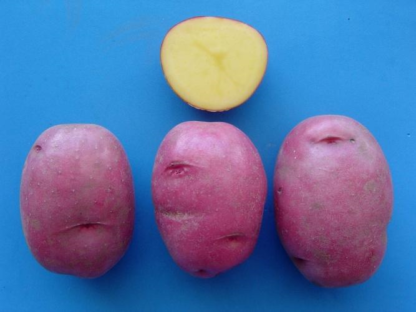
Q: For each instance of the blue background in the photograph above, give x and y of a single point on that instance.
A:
(98, 62)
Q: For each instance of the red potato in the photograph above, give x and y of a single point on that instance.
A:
(77, 200)
(209, 189)
(333, 200)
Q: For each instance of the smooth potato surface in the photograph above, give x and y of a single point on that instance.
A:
(77, 200)
(213, 63)
(333, 200)
(209, 189)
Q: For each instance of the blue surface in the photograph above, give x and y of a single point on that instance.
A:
(98, 62)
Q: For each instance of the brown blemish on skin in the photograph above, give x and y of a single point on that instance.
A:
(373, 257)
(352, 211)
(363, 148)
(370, 186)
(322, 256)
(317, 206)
(323, 239)
(35, 224)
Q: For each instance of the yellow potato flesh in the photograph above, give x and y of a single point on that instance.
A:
(214, 63)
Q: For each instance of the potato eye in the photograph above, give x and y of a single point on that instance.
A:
(177, 168)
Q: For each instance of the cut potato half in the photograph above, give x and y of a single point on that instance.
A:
(213, 63)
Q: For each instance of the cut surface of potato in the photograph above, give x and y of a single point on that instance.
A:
(212, 63)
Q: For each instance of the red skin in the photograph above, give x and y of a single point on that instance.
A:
(333, 200)
(209, 189)
(77, 200)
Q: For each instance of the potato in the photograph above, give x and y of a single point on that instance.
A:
(209, 189)
(213, 63)
(77, 200)
(333, 200)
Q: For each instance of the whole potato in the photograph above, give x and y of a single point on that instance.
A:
(209, 189)
(333, 200)
(77, 200)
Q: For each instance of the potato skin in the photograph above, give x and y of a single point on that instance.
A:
(333, 200)
(209, 189)
(77, 200)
